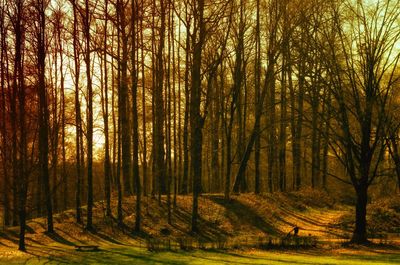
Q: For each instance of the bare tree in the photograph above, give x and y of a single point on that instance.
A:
(361, 63)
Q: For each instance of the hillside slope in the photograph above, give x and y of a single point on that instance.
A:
(245, 215)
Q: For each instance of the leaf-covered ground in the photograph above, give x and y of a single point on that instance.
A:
(245, 216)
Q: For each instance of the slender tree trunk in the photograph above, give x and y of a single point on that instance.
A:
(271, 138)
(55, 130)
(180, 131)
(64, 176)
(4, 133)
(78, 121)
(196, 120)
(107, 162)
(240, 181)
(120, 220)
(185, 178)
(20, 162)
(89, 221)
(123, 100)
(298, 124)
(43, 114)
(167, 117)
(144, 162)
(315, 136)
(176, 145)
(327, 110)
(135, 126)
(159, 109)
(257, 82)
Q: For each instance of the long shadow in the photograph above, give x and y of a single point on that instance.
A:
(7, 237)
(13, 236)
(58, 238)
(29, 230)
(107, 238)
(146, 258)
(73, 237)
(246, 214)
(207, 230)
(305, 219)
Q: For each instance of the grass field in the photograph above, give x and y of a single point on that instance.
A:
(135, 255)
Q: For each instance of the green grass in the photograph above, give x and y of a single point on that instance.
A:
(138, 256)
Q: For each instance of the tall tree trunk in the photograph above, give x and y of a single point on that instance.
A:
(257, 82)
(360, 230)
(4, 133)
(107, 162)
(159, 109)
(240, 181)
(271, 138)
(20, 162)
(185, 178)
(325, 161)
(298, 123)
(43, 113)
(89, 221)
(123, 106)
(283, 105)
(196, 120)
(120, 220)
(135, 133)
(168, 117)
(144, 162)
(78, 121)
(64, 177)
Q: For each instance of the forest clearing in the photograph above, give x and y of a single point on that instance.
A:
(245, 218)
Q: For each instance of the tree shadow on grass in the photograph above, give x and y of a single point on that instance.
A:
(208, 231)
(107, 238)
(58, 238)
(135, 257)
(245, 215)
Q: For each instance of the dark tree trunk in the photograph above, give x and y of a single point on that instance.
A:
(240, 180)
(185, 177)
(196, 120)
(20, 163)
(144, 162)
(107, 162)
(78, 122)
(123, 101)
(43, 115)
(271, 153)
(327, 110)
(159, 110)
(120, 220)
(360, 230)
(89, 221)
(257, 80)
(4, 133)
(135, 132)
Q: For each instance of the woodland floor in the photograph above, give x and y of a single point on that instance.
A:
(245, 217)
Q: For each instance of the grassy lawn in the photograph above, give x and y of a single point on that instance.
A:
(135, 255)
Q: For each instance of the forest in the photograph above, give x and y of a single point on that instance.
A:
(126, 101)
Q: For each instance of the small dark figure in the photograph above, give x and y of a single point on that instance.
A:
(296, 230)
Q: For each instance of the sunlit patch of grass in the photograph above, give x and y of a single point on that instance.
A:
(139, 256)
